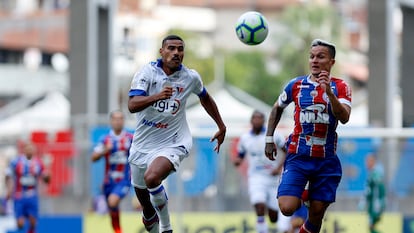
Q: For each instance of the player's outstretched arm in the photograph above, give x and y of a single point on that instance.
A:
(274, 118)
(101, 149)
(210, 106)
(9, 186)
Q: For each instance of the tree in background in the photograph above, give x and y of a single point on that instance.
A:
(248, 70)
(198, 53)
(302, 24)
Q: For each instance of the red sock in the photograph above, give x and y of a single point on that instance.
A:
(115, 221)
(303, 229)
(308, 227)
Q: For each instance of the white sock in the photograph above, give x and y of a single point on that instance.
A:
(159, 200)
(261, 225)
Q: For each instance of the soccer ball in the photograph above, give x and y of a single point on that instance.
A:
(251, 28)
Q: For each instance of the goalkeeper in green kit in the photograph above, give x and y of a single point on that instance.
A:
(374, 199)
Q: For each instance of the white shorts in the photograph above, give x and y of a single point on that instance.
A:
(139, 162)
(263, 189)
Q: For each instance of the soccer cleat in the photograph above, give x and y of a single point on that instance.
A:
(151, 225)
(154, 228)
(166, 229)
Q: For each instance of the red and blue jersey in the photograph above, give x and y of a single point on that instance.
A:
(315, 125)
(116, 161)
(25, 174)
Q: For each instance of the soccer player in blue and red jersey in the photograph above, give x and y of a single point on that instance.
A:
(22, 179)
(321, 101)
(114, 147)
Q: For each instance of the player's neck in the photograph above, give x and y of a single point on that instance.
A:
(313, 77)
(168, 71)
(117, 132)
(257, 131)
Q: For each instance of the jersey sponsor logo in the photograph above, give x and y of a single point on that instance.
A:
(117, 175)
(118, 157)
(314, 114)
(27, 180)
(159, 125)
(171, 105)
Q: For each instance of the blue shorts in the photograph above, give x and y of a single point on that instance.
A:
(120, 189)
(26, 206)
(323, 174)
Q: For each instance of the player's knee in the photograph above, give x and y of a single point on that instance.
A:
(113, 201)
(288, 208)
(152, 180)
(20, 223)
(289, 204)
(32, 221)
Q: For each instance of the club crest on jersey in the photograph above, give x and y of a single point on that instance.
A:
(180, 89)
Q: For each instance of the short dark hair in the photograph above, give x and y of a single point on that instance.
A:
(171, 37)
(257, 112)
(330, 46)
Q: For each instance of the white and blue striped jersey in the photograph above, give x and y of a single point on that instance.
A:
(164, 123)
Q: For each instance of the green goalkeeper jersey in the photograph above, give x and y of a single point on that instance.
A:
(375, 191)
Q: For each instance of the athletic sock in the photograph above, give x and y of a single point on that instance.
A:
(159, 200)
(261, 225)
(308, 227)
(114, 213)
